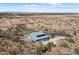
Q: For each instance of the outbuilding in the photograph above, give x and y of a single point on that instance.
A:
(38, 36)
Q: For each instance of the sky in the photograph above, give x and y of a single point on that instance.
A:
(40, 7)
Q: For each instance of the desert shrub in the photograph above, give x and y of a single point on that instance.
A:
(45, 49)
(46, 30)
(76, 50)
(21, 26)
(0, 29)
(70, 40)
(74, 32)
(52, 35)
(64, 44)
(54, 30)
(39, 50)
(13, 52)
(50, 45)
(42, 49)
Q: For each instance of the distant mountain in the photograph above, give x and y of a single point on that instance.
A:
(35, 13)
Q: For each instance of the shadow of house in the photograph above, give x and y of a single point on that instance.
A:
(64, 34)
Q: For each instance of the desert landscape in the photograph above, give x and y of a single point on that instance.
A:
(14, 26)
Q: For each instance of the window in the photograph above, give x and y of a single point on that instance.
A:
(40, 35)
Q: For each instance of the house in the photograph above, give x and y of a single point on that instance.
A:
(38, 36)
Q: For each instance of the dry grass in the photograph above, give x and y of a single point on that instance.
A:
(17, 27)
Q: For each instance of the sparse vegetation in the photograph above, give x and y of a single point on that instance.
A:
(76, 50)
(64, 44)
(40, 50)
(50, 45)
(70, 39)
(15, 26)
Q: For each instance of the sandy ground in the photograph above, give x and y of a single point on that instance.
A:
(54, 40)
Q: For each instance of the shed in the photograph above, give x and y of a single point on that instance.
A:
(38, 36)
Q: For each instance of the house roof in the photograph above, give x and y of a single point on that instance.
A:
(34, 36)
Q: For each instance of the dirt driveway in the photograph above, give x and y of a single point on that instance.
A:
(53, 39)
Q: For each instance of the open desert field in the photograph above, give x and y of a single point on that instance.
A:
(14, 26)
